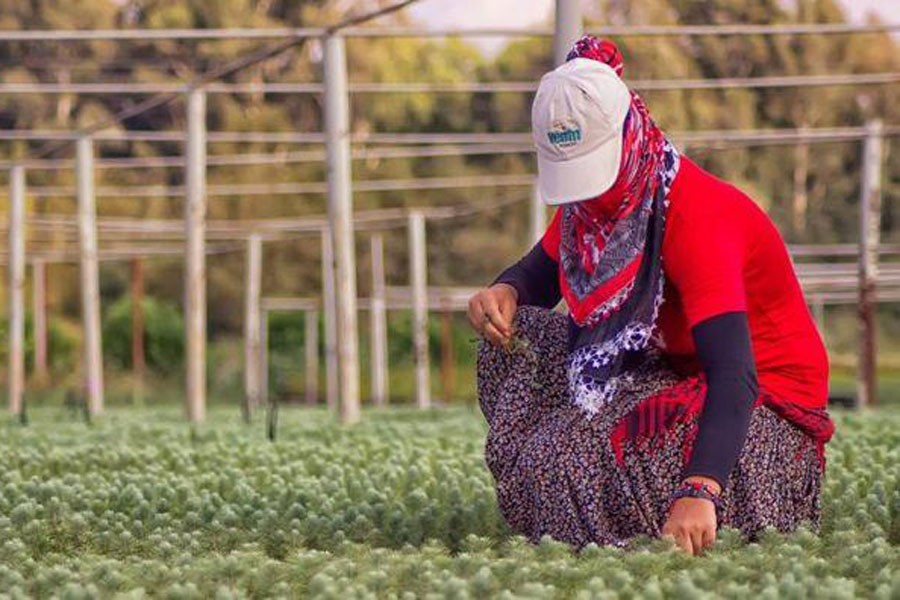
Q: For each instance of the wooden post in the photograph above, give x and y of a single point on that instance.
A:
(340, 217)
(253, 284)
(870, 229)
(538, 215)
(378, 324)
(419, 285)
(90, 276)
(16, 237)
(448, 359)
(331, 363)
(311, 355)
(138, 360)
(39, 310)
(195, 257)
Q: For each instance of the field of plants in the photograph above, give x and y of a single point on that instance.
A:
(402, 506)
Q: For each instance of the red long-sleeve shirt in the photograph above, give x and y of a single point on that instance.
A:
(721, 253)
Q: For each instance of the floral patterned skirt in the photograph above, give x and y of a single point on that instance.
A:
(606, 478)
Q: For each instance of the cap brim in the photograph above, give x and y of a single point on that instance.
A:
(580, 178)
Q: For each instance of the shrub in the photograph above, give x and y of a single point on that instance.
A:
(400, 341)
(62, 341)
(163, 335)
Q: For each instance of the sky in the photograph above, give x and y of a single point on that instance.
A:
(521, 13)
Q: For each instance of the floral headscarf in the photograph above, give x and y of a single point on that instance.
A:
(610, 250)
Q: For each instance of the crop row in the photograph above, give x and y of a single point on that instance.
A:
(137, 504)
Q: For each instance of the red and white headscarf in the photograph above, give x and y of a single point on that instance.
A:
(595, 284)
(610, 249)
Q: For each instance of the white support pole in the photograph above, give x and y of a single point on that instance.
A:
(39, 311)
(311, 355)
(195, 257)
(568, 28)
(818, 310)
(331, 362)
(138, 330)
(538, 215)
(252, 289)
(263, 356)
(90, 277)
(870, 232)
(378, 324)
(16, 237)
(418, 267)
(340, 217)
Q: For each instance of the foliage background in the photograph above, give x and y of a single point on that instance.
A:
(810, 190)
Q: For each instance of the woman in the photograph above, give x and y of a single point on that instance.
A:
(686, 389)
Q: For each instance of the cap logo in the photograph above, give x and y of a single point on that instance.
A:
(564, 134)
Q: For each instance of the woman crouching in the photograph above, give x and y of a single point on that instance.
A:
(686, 388)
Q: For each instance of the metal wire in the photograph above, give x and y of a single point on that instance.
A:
(169, 233)
(229, 68)
(523, 138)
(292, 189)
(117, 254)
(279, 158)
(135, 89)
(369, 32)
(446, 145)
(62, 223)
(227, 137)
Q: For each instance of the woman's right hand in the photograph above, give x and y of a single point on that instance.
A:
(491, 312)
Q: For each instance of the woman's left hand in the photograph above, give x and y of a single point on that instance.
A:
(692, 521)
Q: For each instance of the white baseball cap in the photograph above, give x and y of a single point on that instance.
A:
(576, 121)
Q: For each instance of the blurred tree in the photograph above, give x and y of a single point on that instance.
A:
(811, 190)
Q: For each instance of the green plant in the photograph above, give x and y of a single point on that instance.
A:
(163, 335)
(62, 342)
(401, 505)
(400, 339)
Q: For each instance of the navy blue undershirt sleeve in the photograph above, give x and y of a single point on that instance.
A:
(535, 278)
(726, 355)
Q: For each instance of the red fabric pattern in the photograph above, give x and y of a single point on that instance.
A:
(600, 50)
(595, 219)
(655, 416)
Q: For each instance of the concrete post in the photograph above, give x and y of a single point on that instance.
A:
(538, 215)
(419, 285)
(90, 276)
(252, 293)
(378, 324)
(331, 362)
(138, 360)
(311, 355)
(39, 312)
(870, 226)
(16, 237)
(340, 216)
(195, 257)
(263, 357)
(569, 26)
(448, 356)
